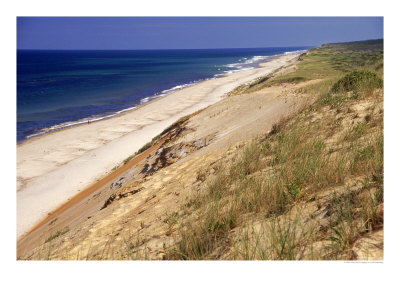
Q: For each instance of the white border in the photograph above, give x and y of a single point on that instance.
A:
(199, 280)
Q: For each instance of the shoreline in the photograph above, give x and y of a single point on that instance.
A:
(66, 161)
(83, 122)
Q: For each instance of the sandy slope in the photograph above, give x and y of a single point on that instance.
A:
(137, 224)
(54, 167)
(142, 203)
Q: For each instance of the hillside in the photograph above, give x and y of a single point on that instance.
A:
(288, 167)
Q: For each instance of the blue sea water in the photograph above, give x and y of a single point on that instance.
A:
(57, 89)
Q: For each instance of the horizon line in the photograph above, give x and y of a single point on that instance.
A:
(152, 49)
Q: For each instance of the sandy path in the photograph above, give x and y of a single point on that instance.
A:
(54, 167)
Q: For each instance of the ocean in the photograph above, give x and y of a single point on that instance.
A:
(58, 89)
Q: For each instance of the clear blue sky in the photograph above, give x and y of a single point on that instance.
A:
(190, 32)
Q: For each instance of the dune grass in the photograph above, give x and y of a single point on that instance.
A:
(57, 234)
(292, 163)
(295, 164)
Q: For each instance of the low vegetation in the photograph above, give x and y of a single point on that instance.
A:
(275, 174)
(250, 210)
(57, 234)
(358, 82)
(327, 64)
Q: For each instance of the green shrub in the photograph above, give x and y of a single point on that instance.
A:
(358, 81)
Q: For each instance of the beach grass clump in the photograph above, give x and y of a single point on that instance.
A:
(144, 148)
(351, 215)
(126, 160)
(57, 234)
(279, 238)
(344, 229)
(333, 100)
(354, 85)
(364, 82)
(171, 220)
